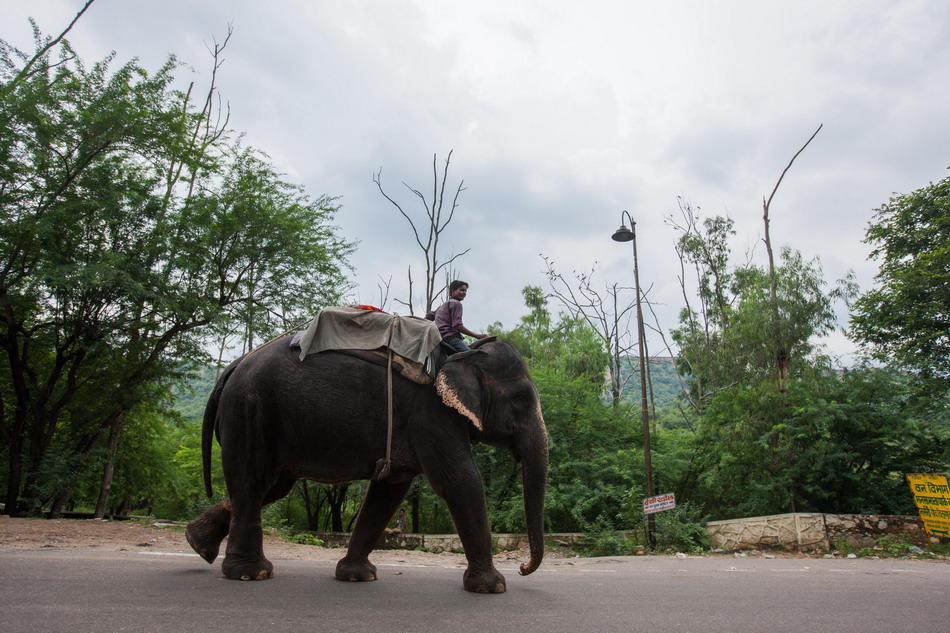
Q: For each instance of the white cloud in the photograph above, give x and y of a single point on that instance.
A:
(562, 114)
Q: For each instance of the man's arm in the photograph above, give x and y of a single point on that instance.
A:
(464, 330)
(456, 308)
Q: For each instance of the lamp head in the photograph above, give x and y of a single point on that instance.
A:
(623, 234)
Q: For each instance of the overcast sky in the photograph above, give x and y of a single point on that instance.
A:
(562, 114)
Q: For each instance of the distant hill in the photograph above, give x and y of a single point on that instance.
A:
(662, 373)
(191, 398)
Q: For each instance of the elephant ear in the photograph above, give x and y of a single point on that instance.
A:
(459, 387)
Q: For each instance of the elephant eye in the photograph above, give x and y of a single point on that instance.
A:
(519, 400)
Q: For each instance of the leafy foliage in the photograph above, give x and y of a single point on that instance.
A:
(907, 318)
(812, 439)
(134, 229)
(131, 229)
(594, 447)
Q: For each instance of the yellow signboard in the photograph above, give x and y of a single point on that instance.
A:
(932, 496)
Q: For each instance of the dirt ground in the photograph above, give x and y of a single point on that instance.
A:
(124, 536)
(16, 533)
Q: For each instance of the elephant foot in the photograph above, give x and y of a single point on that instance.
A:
(484, 581)
(355, 571)
(257, 569)
(205, 533)
(207, 551)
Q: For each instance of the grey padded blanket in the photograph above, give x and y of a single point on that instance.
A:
(351, 328)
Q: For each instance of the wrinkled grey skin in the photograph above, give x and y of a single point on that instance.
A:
(279, 419)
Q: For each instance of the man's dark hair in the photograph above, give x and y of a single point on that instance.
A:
(455, 285)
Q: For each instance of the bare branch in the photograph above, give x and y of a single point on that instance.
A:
(26, 71)
(384, 286)
(586, 302)
(789, 166)
(437, 223)
(377, 178)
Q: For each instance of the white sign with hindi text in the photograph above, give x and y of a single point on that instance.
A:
(659, 503)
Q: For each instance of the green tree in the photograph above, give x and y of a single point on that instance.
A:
(844, 445)
(129, 225)
(595, 449)
(730, 337)
(569, 346)
(741, 396)
(607, 318)
(906, 319)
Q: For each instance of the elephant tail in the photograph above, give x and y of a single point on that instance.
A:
(209, 424)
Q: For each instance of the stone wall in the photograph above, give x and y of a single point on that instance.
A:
(438, 543)
(863, 529)
(796, 531)
(805, 531)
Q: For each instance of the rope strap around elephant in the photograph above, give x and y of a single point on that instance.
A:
(383, 465)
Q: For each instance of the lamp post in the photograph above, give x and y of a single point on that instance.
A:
(623, 234)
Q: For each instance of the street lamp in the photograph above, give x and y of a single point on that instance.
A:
(623, 234)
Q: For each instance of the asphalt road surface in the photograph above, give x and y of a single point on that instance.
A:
(81, 590)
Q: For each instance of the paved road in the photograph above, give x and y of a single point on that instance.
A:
(53, 591)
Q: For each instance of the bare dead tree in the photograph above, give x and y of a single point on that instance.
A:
(439, 212)
(687, 227)
(383, 287)
(782, 354)
(602, 311)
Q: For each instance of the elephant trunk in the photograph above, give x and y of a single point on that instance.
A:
(534, 474)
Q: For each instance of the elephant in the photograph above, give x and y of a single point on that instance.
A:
(324, 418)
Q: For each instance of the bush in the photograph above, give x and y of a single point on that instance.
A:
(682, 529)
(305, 538)
(603, 539)
(606, 543)
(890, 547)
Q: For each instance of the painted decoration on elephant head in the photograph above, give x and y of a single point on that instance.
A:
(450, 397)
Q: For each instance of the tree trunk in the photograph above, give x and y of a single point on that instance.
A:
(15, 477)
(115, 430)
(336, 497)
(782, 359)
(56, 508)
(615, 383)
(312, 507)
(414, 511)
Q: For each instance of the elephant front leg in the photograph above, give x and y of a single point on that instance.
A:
(205, 533)
(465, 498)
(379, 506)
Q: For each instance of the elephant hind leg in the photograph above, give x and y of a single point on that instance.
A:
(205, 533)
(244, 557)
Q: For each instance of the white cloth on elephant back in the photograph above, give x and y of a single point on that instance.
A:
(352, 328)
